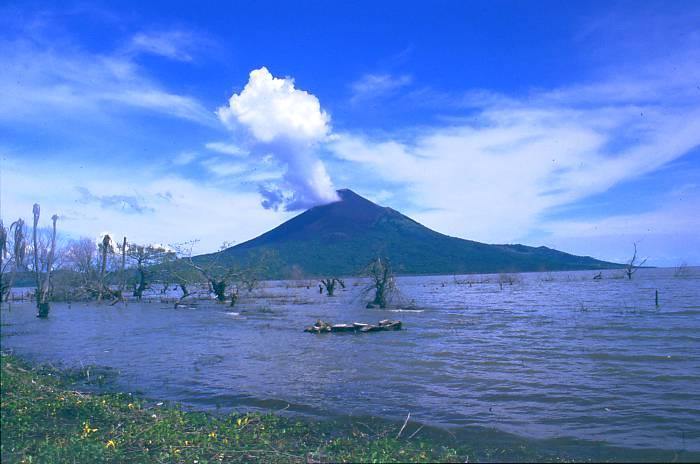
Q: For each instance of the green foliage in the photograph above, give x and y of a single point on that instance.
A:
(43, 420)
(341, 238)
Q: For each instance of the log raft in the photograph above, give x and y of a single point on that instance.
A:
(326, 327)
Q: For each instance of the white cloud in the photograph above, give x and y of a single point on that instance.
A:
(223, 168)
(277, 118)
(226, 148)
(493, 178)
(376, 85)
(174, 44)
(41, 83)
(175, 209)
(667, 235)
(273, 109)
(186, 157)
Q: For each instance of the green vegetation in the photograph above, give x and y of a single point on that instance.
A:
(43, 420)
(339, 239)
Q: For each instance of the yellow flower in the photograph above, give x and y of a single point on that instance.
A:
(130, 405)
(111, 444)
(242, 421)
(212, 434)
(87, 430)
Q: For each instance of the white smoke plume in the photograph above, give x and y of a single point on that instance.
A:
(271, 116)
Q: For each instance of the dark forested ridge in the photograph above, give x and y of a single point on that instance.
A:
(341, 238)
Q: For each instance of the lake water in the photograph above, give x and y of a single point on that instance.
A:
(556, 358)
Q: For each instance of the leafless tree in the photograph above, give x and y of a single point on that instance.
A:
(3, 253)
(89, 267)
(122, 271)
(217, 275)
(147, 260)
(107, 251)
(330, 283)
(225, 280)
(83, 263)
(382, 281)
(257, 266)
(12, 251)
(634, 264)
(682, 271)
(43, 273)
(510, 279)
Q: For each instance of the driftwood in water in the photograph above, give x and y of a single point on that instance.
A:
(326, 327)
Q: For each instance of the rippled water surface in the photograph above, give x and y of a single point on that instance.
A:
(553, 356)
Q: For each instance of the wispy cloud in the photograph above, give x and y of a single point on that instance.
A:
(492, 176)
(226, 148)
(42, 81)
(371, 86)
(223, 168)
(664, 233)
(176, 209)
(122, 203)
(185, 157)
(173, 44)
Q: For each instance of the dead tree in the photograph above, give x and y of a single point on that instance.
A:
(329, 285)
(19, 250)
(509, 279)
(83, 263)
(122, 283)
(119, 293)
(216, 275)
(148, 260)
(106, 247)
(682, 271)
(3, 261)
(382, 282)
(632, 266)
(43, 283)
(224, 280)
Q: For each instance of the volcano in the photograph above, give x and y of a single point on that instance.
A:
(340, 238)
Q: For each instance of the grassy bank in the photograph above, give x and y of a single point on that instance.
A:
(44, 420)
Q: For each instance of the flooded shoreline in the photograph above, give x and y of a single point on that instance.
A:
(552, 357)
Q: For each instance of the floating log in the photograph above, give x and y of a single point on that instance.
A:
(343, 328)
(325, 327)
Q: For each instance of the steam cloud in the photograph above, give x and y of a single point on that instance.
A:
(271, 116)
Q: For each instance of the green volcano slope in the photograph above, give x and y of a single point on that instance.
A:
(341, 238)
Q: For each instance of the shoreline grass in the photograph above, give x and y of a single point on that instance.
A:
(45, 420)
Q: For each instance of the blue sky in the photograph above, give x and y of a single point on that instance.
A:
(574, 125)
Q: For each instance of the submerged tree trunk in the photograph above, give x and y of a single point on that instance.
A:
(382, 278)
(185, 291)
(329, 284)
(41, 303)
(122, 284)
(380, 295)
(3, 248)
(219, 289)
(19, 250)
(36, 211)
(106, 242)
(46, 286)
(141, 286)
